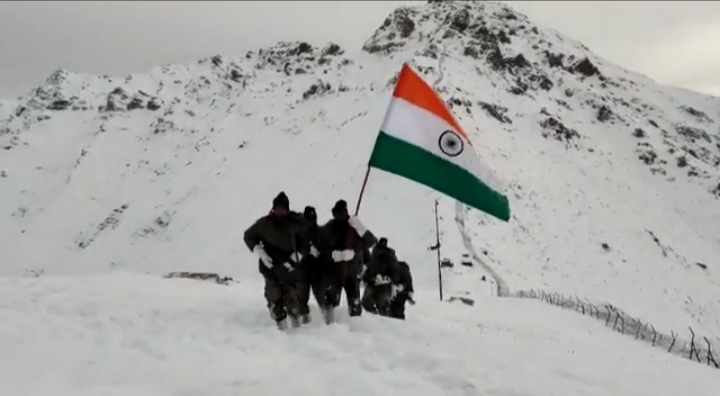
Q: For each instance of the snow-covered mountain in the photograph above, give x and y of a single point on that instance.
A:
(614, 180)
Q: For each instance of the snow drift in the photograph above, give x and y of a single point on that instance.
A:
(144, 335)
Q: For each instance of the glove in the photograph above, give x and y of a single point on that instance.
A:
(393, 292)
(411, 298)
(357, 225)
(314, 252)
(296, 257)
(260, 252)
(339, 256)
(382, 280)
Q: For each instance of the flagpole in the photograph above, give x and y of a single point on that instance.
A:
(437, 246)
(362, 191)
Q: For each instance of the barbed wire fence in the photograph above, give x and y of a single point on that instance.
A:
(698, 349)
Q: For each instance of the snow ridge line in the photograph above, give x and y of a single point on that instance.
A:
(631, 326)
(502, 289)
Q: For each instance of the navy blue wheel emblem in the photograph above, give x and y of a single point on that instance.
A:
(451, 144)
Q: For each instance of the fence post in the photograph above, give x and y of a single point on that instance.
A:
(710, 357)
(674, 336)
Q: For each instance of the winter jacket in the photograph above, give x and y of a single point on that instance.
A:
(404, 277)
(383, 262)
(280, 237)
(314, 267)
(339, 235)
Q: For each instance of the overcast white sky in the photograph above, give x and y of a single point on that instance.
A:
(673, 42)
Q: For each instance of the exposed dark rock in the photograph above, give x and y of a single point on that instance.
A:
(201, 276)
(682, 162)
(560, 131)
(701, 265)
(545, 83)
(648, 156)
(332, 49)
(317, 89)
(235, 75)
(471, 52)
(384, 48)
(464, 300)
(586, 68)
(605, 247)
(59, 105)
(639, 133)
(461, 20)
(554, 60)
(446, 263)
(495, 59)
(302, 48)
(692, 134)
(135, 103)
(520, 87)
(696, 113)
(716, 191)
(497, 112)
(518, 61)
(153, 104)
(604, 114)
(405, 25)
(503, 38)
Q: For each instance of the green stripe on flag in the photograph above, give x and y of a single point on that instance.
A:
(403, 159)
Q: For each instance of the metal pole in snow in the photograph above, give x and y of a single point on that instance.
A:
(437, 247)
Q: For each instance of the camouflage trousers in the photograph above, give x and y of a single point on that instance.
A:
(282, 299)
(376, 299)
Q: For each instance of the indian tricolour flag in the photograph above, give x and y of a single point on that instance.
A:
(421, 140)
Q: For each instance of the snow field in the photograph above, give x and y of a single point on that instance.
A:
(126, 333)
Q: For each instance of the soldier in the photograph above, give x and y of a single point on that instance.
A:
(343, 242)
(312, 268)
(280, 240)
(379, 276)
(402, 292)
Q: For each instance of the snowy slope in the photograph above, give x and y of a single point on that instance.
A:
(119, 334)
(163, 170)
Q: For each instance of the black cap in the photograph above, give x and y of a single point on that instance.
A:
(281, 201)
(340, 207)
(309, 212)
(382, 242)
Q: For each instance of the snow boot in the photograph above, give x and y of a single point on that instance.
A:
(294, 321)
(282, 324)
(329, 315)
(355, 308)
(305, 319)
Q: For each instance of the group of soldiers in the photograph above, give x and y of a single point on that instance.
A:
(297, 256)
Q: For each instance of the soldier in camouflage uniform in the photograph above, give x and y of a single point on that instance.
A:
(343, 241)
(402, 291)
(379, 275)
(280, 240)
(312, 268)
